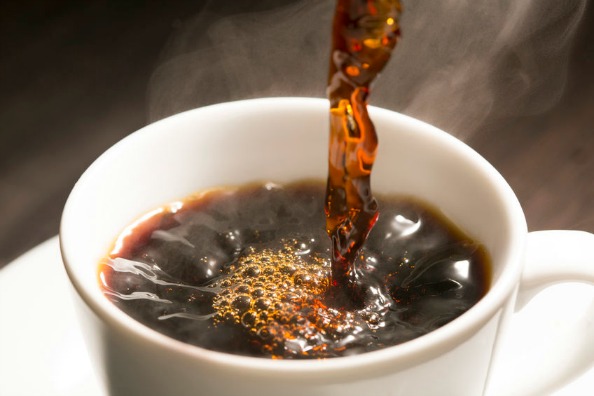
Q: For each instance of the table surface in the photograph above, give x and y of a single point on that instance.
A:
(75, 77)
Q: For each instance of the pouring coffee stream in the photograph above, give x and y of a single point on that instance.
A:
(364, 34)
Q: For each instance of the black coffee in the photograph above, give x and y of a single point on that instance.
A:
(246, 271)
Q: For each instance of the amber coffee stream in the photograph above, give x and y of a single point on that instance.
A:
(249, 270)
(364, 34)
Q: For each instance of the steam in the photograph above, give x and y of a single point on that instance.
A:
(460, 63)
(216, 57)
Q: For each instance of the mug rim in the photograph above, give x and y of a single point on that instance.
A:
(399, 356)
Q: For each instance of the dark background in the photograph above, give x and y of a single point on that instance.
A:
(74, 77)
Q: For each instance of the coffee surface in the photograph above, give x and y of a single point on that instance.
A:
(246, 271)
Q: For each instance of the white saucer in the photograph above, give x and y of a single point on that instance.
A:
(41, 347)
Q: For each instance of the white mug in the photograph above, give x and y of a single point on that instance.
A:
(282, 140)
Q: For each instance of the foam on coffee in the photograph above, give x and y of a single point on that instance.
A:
(274, 295)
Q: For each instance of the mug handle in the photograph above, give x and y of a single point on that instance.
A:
(549, 339)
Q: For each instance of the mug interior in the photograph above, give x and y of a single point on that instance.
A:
(283, 140)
